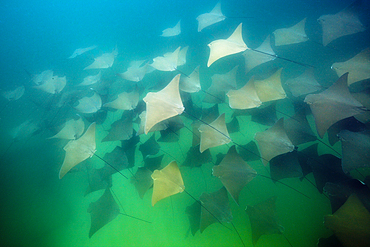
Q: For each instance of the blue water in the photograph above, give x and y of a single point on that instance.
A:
(38, 209)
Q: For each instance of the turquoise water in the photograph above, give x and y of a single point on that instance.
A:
(39, 209)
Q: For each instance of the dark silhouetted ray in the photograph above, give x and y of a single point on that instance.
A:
(194, 213)
(263, 219)
(345, 22)
(303, 84)
(234, 173)
(351, 124)
(194, 158)
(350, 223)
(355, 149)
(273, 142)
(298, 129)
(215, 208)
(333, 104)
(150, 147)
(265, 115)
(153, 163)
(285, 166)
(305, 156)
(118, 159)
(233, 126)
(172, 132)
(249, 151)
(120, 129)
(142, 180)
(103, 211)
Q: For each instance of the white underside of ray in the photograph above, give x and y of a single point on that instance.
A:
(293, 35)
(167, 62)
(173, 31)
(80, 51)
(208, 19)
(225, 47)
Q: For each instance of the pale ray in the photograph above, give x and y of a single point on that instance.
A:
(104, 61)
(91, 79)
(52, 85)
(71, 130)
(270, 88)
(89, 104)
(80, 51)
(125, 101)
(207, 19)
(79, 150)
(167, 62)
(225, 47)
(245, 97)
(191, 84)
(173, 31)
(292, 35)
(163, 104)
(258, 56)
(14, 94)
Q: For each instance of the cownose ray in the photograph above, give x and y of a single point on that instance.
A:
(97, 178)
(303, 84)
(213, 134)
(351, 124)
(117, 161)
(263, 219)
(355, 149)
(234, 173)
(273, 142)
(121, 129)
(71, 130)
(163, 104)
(207, 19)
(157, 127)
(167, 62)
(343, 23)
(80, 51)
(15, 94)
(233, 126)
(292, 35)
(42, 77)
(79, 150)
(333, 104)
(191, 84)
(167, 182)
(102, 211)
(245, 97)
(125, 101)
(215, 208)
(285, 166)
(150, 147)
(270, 88)
(298, 129)
(52, 85)
(225, 47)
(194, 158)
(358, 67)
(221, 84)
(172, 131)
(90, 104)
(182, 56)
(265, 114)
(172, 31)
(91, 79)
(104, 61)
(364, 98)
(350, 223)
(136, 71)
(142, 180)
(258, 56)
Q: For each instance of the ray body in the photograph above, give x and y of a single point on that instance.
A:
(358, 67)
(53, 85)
(191, 84)
(245, 97)
(263, 219)
(292, 35)
(285, 166)
(91, 79)
(333, 104)
(234, 173)
(273, 142)
(103, 211)
(215, 208)
(89, 104)
(125, 101)
(120, 130)
(72, 129)
(104, 61)
(142, 180)
(350, 223)
(215, 134)
(303, 84)
(163, 104)
(225, 47)
(79, 150)
(270, 88)
(258, 56)
(208, 19)
(355, 149)
(172, 31)
(42, 77)
(80, 51)
(343, 23)
(182, 56)
(136, 72)
(194, 158)
(14, 94)
(167, 62)
(167, 182)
